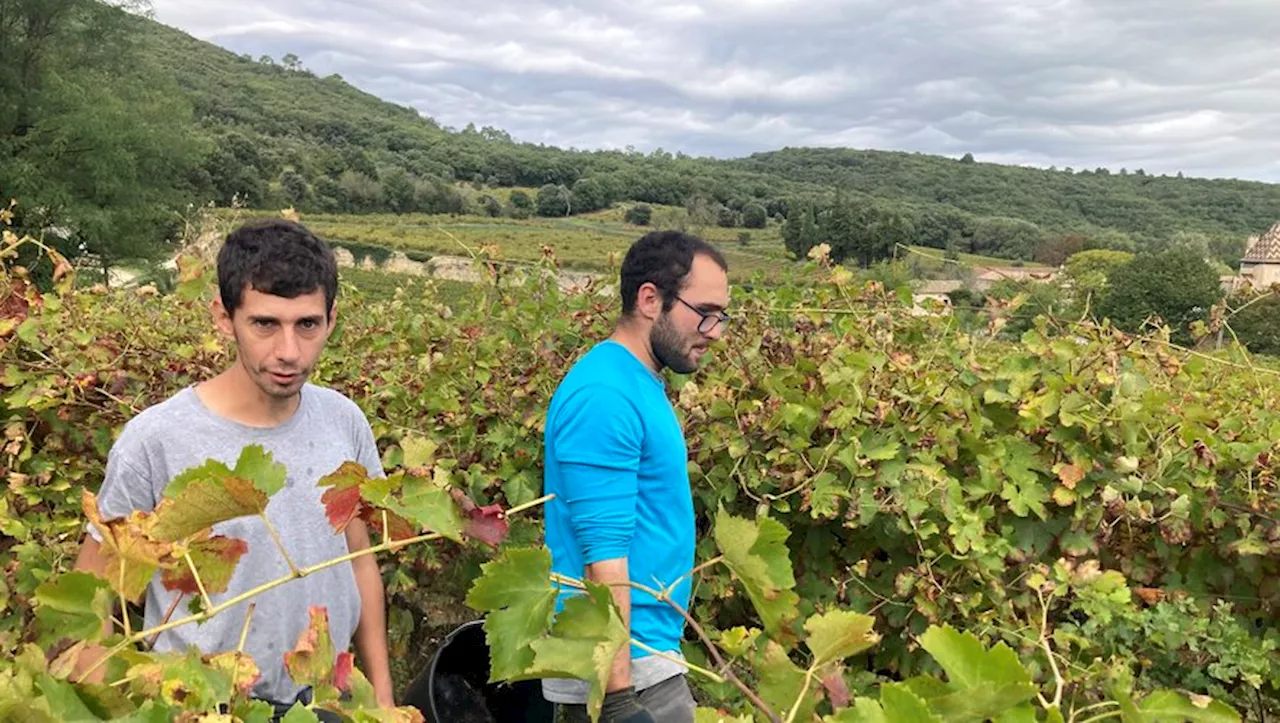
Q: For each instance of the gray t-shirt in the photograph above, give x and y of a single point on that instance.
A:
(179, 433)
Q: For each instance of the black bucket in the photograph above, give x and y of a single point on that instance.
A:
(454, 687)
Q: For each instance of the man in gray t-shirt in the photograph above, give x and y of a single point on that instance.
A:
(277, 286)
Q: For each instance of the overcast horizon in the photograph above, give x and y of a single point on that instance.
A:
(1179, 85)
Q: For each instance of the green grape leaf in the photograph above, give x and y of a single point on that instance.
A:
(710, 715)
(586, 637)
(253, 711)
(901, 705)
(258, 466)
(418, 451)
(215, 559)
(63, 700)
(1167, 706)
(782, 681)
(982, 684)
(757, 554)
(74, 605)
(299, 713)
(838, 634)
(429, 508)
(516, 592)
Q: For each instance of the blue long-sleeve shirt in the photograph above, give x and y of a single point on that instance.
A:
(617, 463)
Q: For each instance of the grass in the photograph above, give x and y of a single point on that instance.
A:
(381, 285)
(582, 242)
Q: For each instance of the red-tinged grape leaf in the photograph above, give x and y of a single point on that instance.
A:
(401, 529)
(348, 475)
(341, 506)
(311, 660)
(342, 668)
(487, 524)
(837, 690)
(240, 667)
(132, 553)
(215, 559)
(203, 503)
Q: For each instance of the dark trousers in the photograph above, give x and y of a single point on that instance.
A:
(668, 702)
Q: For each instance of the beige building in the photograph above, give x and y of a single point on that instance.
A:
(1260, 266)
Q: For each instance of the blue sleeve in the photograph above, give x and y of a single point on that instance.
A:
(596, 443)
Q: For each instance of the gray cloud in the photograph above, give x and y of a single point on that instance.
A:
(1164, 85)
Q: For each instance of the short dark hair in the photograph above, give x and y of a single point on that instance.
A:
(662, 258)
(279, 257)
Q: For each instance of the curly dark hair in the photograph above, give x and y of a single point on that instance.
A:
(278, 257)
(662, 258)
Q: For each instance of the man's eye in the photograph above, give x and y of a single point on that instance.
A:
(310, 324)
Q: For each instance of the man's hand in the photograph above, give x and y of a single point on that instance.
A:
(615, 574)
(623, 706)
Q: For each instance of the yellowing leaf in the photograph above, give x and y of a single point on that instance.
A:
(129, 545)
(205, 502)
(838, 634)
(312, 658)
(1063, 497)
(239, 667)
(1069, 474)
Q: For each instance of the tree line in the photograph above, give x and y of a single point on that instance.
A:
(110, 124)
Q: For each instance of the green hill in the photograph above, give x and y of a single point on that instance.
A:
(269, 133)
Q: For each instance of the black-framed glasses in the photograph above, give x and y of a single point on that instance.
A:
(709, 319)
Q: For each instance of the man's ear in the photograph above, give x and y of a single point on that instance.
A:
(221, 317)
(648, 301)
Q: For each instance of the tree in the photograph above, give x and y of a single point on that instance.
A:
(291, 62)
(553, 200)
(295, 189)
(726, 217)
(967, 158)
(398, 191)
(1055, 250)
(1255, 322)
(638, 215)
(1177, 286)
(520, 199)
(589, 194)
(1088, 270)
(93, 139)
(754, 215)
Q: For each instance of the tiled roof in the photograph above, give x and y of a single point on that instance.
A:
(1265, 248)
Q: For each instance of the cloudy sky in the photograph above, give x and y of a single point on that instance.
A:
(1164, 85)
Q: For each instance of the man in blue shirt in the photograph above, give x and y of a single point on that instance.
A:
(617, 464)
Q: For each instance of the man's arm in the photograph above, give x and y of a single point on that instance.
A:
(371, 632)
(614, 573)
(91, 559)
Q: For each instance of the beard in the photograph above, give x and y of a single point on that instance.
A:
(670, 348)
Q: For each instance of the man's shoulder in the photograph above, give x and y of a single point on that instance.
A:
(159, 418)
(333, 401)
